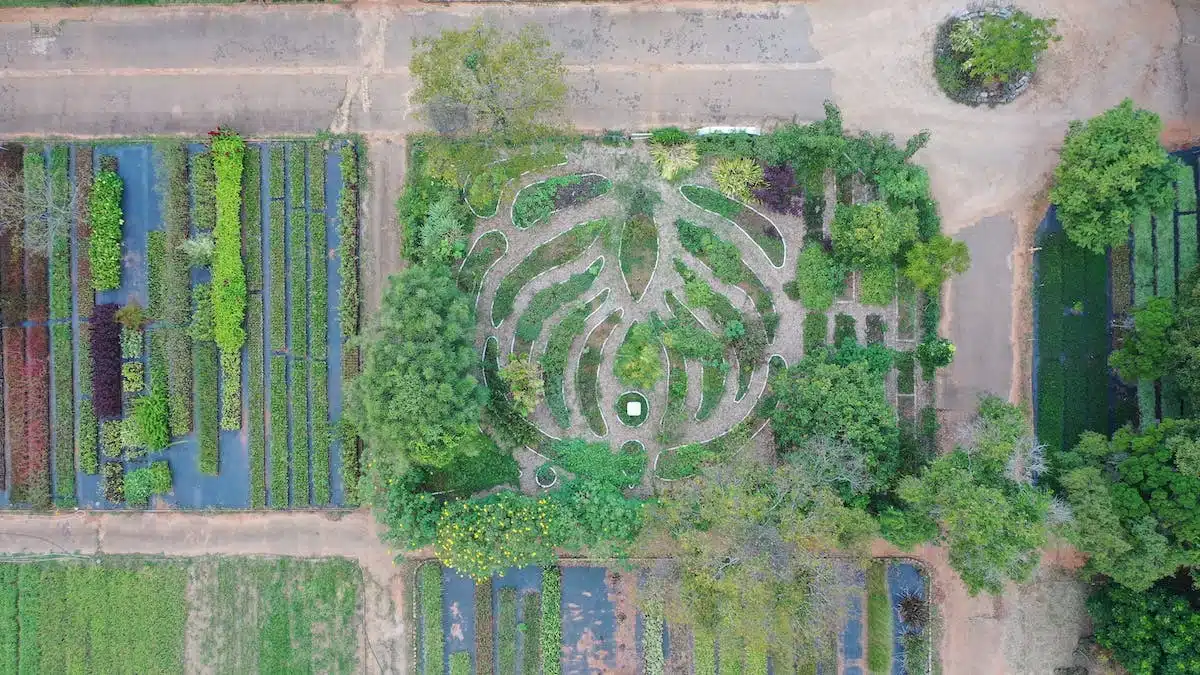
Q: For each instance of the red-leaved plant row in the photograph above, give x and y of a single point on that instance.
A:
(37, 282)
(31, 460)
(12, 285)
(14, 376)
(106, 361)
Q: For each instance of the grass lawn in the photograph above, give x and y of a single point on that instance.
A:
(131, 615)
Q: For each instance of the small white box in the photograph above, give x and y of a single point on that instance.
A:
(633, 408)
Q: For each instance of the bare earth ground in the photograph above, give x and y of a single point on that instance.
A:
(297, 69)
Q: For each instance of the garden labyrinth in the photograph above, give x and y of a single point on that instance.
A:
(627, 288)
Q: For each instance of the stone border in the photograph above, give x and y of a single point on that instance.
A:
(974, 96)
(645, 417)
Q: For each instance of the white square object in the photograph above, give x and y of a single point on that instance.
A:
(633, 408)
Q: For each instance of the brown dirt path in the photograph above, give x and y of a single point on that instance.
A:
(300, 534)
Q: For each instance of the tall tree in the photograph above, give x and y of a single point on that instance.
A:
(418, 399)
(1136, 507)
(1111, 167)
(483, 79)
(982, 499)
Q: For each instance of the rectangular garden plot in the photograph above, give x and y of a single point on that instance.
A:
(123, 386)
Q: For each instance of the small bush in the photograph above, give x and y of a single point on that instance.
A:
(198, 250)
(87, 442)
(675, 161)
(738, 178)
(844, 329)
(141, 484)
(781, 192)
(110, 438)
(231, 391)
(506, 629)
(819, 279)
(816, 325)
(878, 285)
(133, 377)
(711, 200)
(131, 343)
(150, 418)
(668, 136)
(998, 48)
(639, 358)
(114, 482)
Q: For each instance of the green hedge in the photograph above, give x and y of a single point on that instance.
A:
(878, 285)
(506, 629)
(86, 300)
(1164, 242)
(156, 253)
(551, 628)
(257, 431)
(349, 305)
(208, 430)
(484, 188)
(204, 192)
(64, 415)
(277, 244)
(104, 208)
(298, 394)
(844, 328)
(460, 663)
(484, 638)
(652, 638)
(1143, 257)
(816, 327)
(531, 616)
(554, 359)
(278, 433)
(486, 251)
(432, 638)
(60, 234)
(561, 249)
(318, 256)
(322, 434)
(231, 391)
(880, 640)
(177, 286)
(88, 440)
(297, 253)
(589, 367)
(252, 216)
(228, 271)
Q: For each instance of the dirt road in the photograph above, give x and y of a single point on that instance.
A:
(351, 535)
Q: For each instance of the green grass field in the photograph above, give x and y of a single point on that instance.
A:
(125, 615)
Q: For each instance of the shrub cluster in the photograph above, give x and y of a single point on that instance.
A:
(738, 177)
(150, 418)
(207, 361)
(257, 431)
(107, 220)
(106, 361)
(141, 484)
(277, 441)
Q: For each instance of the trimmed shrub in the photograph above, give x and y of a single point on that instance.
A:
(231, 391)
(87, 442)
(551, 633)
(561, 249)
(278, 434)
(844, 329)
(549, 300)
(639, 358)
(110, 438)
(878, 285)
(133, 377)
(506, 628)
(879, 620)
(257, 430)
(204, 187)
(252, 214)
(229, 277)
(537, 201)
(106, 360)
(484, 638)
(531, 617)
(156, 254)
(104, 207)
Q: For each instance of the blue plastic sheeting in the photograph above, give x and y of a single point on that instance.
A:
(526, 580)
(903, 579)
(852, 670)
(589, 622)
(333, 239)
(458, 613)
(852, 646)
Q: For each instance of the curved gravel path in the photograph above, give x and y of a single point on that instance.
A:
(627, 164)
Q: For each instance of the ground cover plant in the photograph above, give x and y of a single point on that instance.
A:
(754, 224)
(538, 201)
(549, 300)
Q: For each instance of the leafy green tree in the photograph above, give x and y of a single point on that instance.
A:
(1149, 632)
(980, 496)
(872, 233)
(524, 380)
(846, 403)
(417, 399)
(1184, 336)
(639, 358)
(930, 263)
(1146, 352)
(1135, 511)
(819, 278)
(484, 79)
(999, 48)
(410, 515)
(597, 516)
(1111, 167)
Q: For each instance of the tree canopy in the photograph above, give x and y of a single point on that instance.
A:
(1137, 513)
(1149, 632)
(818, 398)
(872, 233)
(483, 79)
(1111, 167)
(417, 399)
(1146, 352)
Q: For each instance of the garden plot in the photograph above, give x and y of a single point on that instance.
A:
(166, 616)
(711, 276)
(568, 619)
(123, 386)
(1081, 313)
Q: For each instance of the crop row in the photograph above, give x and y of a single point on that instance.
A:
(278, 433)
(228, 270)
(177, 287)
(349, 308)
(106, 218)
(257, 431)
(298, 315)
(14, 378)
(207, 362)
(484, 637)
(252, 215)
(31, 462)
(277, 244)
(549, 300)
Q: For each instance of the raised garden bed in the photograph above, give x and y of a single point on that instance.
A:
(638, 254)
(487, 249)
(561, 249)
(549, 300)
(950, 70)
(558, 348)
(589, 366)
(756, 225)
(536, 202)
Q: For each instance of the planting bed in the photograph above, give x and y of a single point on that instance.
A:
(1081, 302)
(564, 282)
(160, 411)
(576, 620)
(128, 615)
